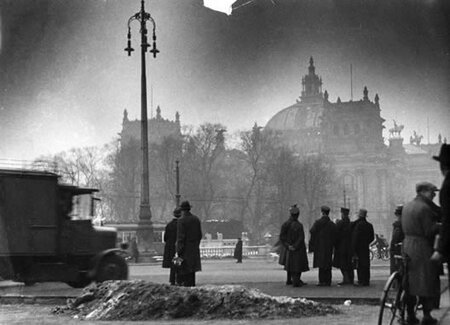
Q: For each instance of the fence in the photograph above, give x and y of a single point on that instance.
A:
(223, 252)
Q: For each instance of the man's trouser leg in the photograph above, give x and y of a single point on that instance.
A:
(189, 279)
(172, 275)
(288, 277)
(296, 279)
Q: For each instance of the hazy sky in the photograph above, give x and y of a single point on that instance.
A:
(65, 78)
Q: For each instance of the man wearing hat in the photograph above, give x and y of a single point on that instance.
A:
(362, 235)
(284, 244)
(296, 257)
(170, 238)
(321, 243)
(420, 227)
(342, 254)
(443, 249)
(189, 235)
(396, 239)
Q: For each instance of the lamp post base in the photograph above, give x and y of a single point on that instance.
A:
(145, 238)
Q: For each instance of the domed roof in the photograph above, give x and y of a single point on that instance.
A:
(297, 117)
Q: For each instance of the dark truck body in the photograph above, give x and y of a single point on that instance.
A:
(40, 238)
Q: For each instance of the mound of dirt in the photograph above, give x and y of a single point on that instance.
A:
(141, 300)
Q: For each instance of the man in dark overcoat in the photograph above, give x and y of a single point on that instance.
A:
(238, 251)
(396, 240)
(420, 228)
(342, 251)
(296, 257)
(284, 245)
(321, 243)
(443, 249)
(189, 235)
(362, 235)
(170, 238)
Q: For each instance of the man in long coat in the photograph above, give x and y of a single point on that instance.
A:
(296, 257)
(362, 235)
(443, 250)
(342, 252)
(420, 227)
(321, 243)
(396, 239)
(238, 251)
(170, 238)
(189, 235)
(284, 245)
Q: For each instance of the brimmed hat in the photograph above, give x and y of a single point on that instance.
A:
(398, 210)
(345, 210)
(325, 209)
(185, 205)
(425, 186)
(294, 210)
(362, 213)
(444, 154)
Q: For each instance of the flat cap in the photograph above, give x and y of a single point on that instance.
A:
(425, 186)
(362, 213)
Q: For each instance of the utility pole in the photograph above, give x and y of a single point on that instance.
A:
(145, 226)
(177, 173)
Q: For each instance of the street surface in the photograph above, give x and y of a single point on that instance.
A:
(264, 274)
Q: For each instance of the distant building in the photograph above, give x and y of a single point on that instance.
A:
(158, 128)
(374, 175)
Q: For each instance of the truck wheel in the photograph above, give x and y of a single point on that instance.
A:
(112, 267)
(80, 282)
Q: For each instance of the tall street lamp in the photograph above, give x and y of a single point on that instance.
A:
(145, 227)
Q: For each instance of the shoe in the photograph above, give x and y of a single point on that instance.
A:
(412, 320)
(429, 321)
(288, 283)
(303, 283)
(324, 284)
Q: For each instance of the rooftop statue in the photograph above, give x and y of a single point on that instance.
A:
(396, 130)
(415, 139)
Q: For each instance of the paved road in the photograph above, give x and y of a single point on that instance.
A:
(265, 275)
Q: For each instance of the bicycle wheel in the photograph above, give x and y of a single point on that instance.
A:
(392, 306)
(385, 255)
(371, 254)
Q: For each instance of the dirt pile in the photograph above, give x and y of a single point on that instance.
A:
(140, 300)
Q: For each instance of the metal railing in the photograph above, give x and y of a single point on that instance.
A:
(223, 252)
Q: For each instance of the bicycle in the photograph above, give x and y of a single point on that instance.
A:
(393, 299)
(383, 254)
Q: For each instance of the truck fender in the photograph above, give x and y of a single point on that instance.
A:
(95, 261)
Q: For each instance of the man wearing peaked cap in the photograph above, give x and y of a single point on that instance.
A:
(342, 252)
(396, 238)
(420, 226)
(296, 257)
(321, 243)
(362, 235)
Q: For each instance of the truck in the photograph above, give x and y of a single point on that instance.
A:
(47, 234)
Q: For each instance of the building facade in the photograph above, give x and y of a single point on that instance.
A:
(373, 174)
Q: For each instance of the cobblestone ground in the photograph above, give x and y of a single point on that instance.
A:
(41, 314)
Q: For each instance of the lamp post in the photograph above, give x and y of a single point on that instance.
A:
(145, 227)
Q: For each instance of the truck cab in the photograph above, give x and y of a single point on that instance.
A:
(46, 232)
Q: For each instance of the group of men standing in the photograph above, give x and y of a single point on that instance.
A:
(182, 238)
(343, 244)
